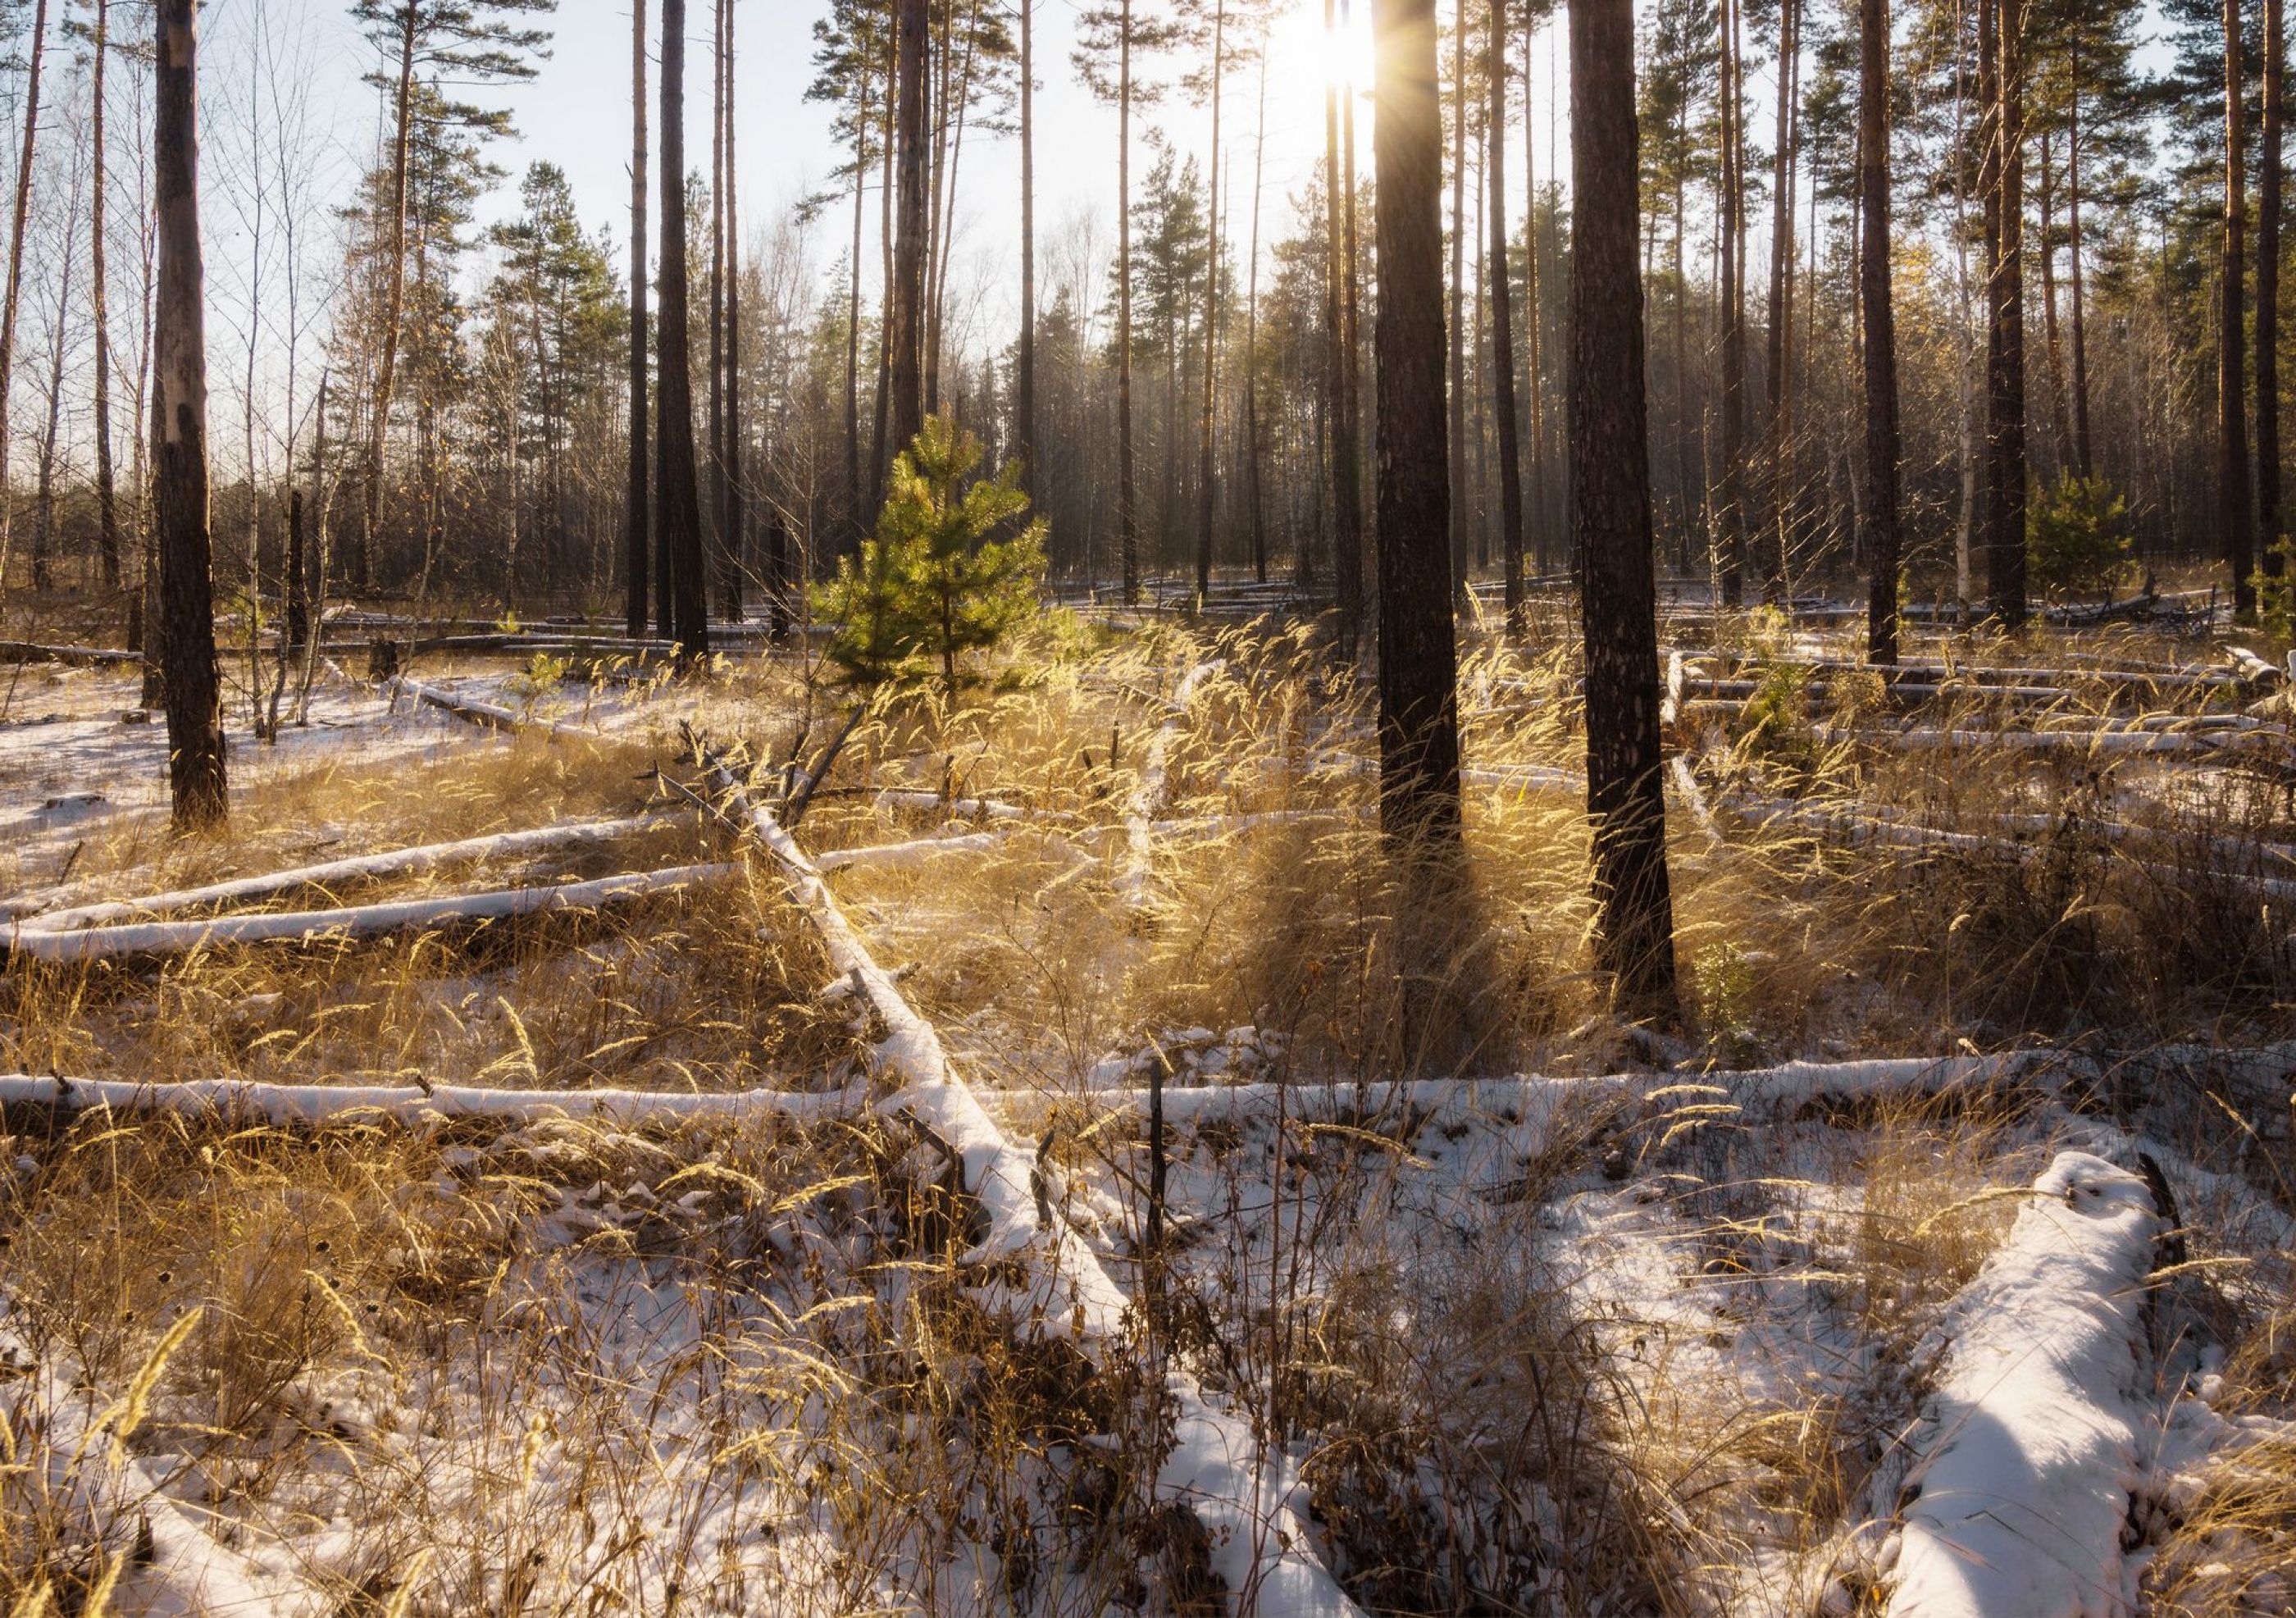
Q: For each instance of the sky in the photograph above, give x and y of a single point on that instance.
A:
(575, 113)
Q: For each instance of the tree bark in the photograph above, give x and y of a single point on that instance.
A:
(2005, 294)
(1460, 505)
(719, 505)
(15, 288)
(1610, 519)
(107, 508)
(2267, 301)
(1418, 711)
(1883, 539)
(678, 507)
(362, 557)
(1347, 538)
(1024, 357)
(905, 309)
(1128, 504)
(2083, 459)
(1731, 202)
(636, 502)
(1502, 329)
(2235, 514)
(1777, 383)
(737, 528)
(1251, 447)
(856, 506)
(1206, 468)
(179, 410)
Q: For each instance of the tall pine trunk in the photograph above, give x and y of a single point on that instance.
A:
(1731, 201)
(179, 424)
(14, 298)
(1024, 354)
(1460, 505)
(905, 310)
(1503, 327)
(107, 506)
(1128, 504)
(2001, 28)
(1778, 392)
(1883, 540)
(2082, 456)
(1257, 517)
(2267, 302)
(736, 554)
(637, 503)
(1207, 488)
(394, 311)
(1418, 698)
(719, 490)
(678, 510)
(1610, 519)
(2235, 514)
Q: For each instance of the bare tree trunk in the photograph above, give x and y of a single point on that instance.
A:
(1503, 327)
(1457, 322)
(1778, 383)
(856, 504)
(107, 507)
(677, 508)
(904, 308)
(637, 505)
(2082, 456)
(179, 411)
(2233, 512)
(43, 500)
(15, 289)
(715, 307)
(1252, 446)
(394, 303)
(1611, 518)
(1340, 326)
(2267, 302)
(1418, 697)
(736, 530)
(1024, 378)
(1128, 512)
(1731, 202)
(2001, 26)
(1534, 316)
(2061, 432)
(1881, 331)
(1207, 487)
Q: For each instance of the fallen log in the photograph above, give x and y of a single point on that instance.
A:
(28, 651)
(397, 862)
(1217, 1468)
(234, 1099)
(487, 716)
(2021, 1478)
(354, 921)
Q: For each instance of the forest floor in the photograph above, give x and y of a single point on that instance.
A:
(1010, 1173)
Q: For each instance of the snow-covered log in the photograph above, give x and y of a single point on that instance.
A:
(894, 855)
(2086, 742)
(967, 808)
(353, 921)
(232, 1099)
(28, 651)
(487, 716)
(398, 862)
(1234, 1486)
(2031, 1444)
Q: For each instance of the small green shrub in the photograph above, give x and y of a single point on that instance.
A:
(2077, 538)
(933, 584)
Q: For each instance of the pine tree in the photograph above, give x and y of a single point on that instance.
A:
(935, 582)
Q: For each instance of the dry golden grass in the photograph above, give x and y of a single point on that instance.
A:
(1503, 1424)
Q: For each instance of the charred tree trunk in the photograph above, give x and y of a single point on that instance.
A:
(1418, 701)
(179, 410)
(1611, 518)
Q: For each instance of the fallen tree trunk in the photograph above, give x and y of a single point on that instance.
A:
(28, 651)
(355, 921)
(233, 1099)
(2031, 1439)
(1217, 1468)
(488, 716)
(398, 862)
